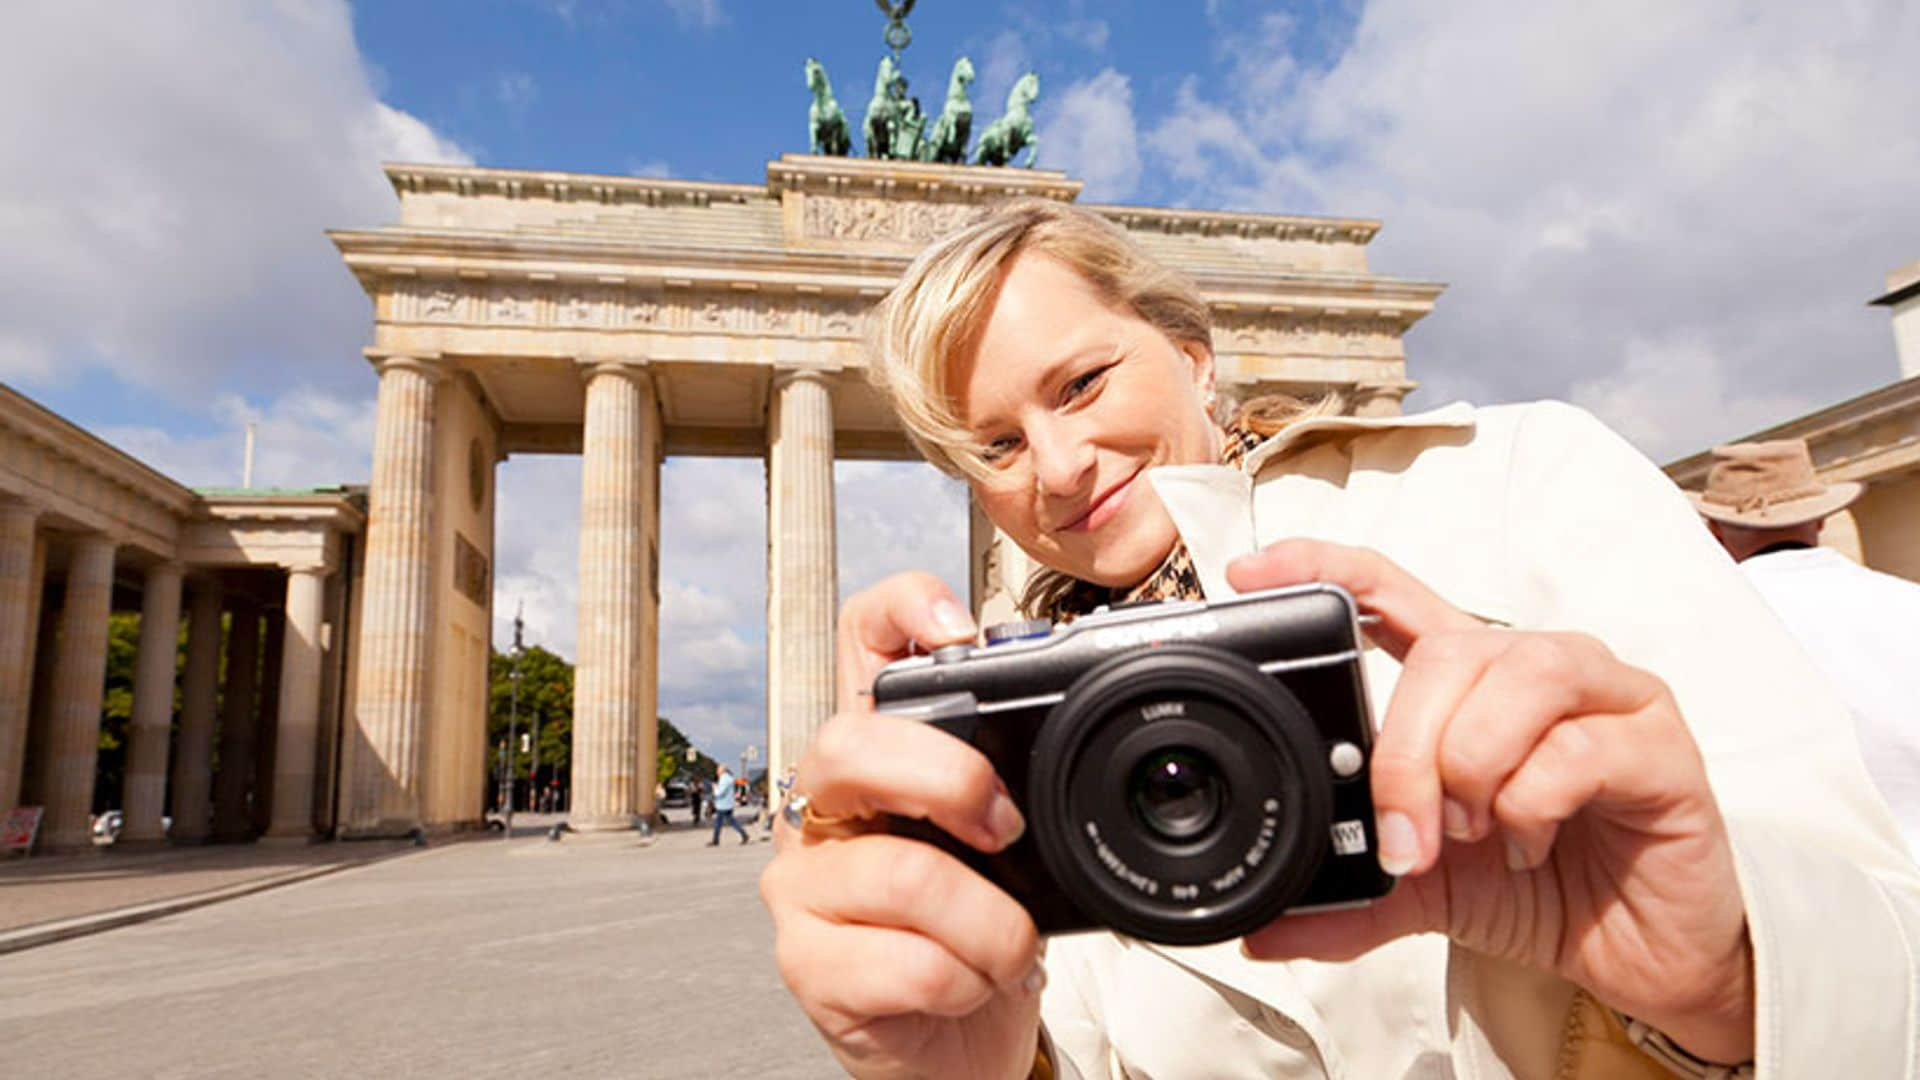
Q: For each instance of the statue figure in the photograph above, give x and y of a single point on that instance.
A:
(903, 141)
(826, 122)
(1013, 132)
(948, 142)
(878, 126)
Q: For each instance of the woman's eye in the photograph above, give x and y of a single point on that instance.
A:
(999, 449)
(1086, 382)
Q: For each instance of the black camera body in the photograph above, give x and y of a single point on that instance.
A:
(1188, 771)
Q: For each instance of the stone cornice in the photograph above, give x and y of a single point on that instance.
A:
(853, 177)
(1234, 223)
(334, 511)
(465, 263)
(472, 181)
(1860, 438)
(35, 423)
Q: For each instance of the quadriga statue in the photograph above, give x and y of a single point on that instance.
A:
(948, 140)
(826, 121)
(1013, 132)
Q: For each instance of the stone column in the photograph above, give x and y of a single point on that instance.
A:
(998, 570)
(144, 797)
(231, 820)
(79, 677)
(266, 731)
(802, 575)
(19, 588)
(615, 729)
(299, 707)
(199, 688)
(389, 716)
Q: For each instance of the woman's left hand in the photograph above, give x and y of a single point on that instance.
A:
(1544, 803)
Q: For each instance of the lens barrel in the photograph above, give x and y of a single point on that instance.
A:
(1174, 797)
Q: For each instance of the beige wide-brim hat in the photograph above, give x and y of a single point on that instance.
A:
(1769, 485)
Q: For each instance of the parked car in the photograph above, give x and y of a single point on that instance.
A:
(677, 795)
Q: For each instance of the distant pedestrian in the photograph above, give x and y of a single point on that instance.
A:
(784, 787)
(723, 804)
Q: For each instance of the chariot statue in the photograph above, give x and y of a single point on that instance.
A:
(880, 122)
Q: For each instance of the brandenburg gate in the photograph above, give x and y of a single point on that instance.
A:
(626, 319)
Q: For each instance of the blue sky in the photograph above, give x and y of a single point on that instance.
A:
(711, 90)
(1669, 214)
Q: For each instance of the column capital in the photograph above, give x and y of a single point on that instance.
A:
(168, 566)
(14, 508)
(428, 364)
(95, 541)
(821, 374)
(637, 369)
(1380, 398)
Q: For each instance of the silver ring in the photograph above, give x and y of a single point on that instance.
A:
(794, 810)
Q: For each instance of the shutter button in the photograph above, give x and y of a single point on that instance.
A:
(948, 654)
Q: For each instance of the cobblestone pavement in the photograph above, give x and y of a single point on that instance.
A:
(52, 888)
(522, 957)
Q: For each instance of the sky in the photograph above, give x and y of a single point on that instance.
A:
(1670, 214)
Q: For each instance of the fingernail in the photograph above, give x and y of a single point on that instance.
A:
(1399, 844)
(952, 619)
(1004, 820)
(1516, 857)
(1453, 817)
(1035, 981)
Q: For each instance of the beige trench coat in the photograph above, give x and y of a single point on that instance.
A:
(1538, 517)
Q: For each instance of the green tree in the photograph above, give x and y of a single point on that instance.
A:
(546, 693)
(116, 710)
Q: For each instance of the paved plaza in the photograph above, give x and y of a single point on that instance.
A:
(491, 957)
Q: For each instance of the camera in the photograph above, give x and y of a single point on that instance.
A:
(1188, 771)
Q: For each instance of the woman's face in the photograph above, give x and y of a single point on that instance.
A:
(1074, 401)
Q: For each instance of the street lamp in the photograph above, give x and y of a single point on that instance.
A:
(513, 712)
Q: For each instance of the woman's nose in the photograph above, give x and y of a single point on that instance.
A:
(1062, 463)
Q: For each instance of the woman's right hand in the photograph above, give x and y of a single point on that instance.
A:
(907, 961)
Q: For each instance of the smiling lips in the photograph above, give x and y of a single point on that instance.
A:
(1105, 507)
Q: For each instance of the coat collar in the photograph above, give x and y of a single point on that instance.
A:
(1459, 414)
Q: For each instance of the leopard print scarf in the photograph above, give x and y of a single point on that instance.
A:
(1174, 579)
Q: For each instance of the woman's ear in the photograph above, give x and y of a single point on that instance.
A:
(1203, 375)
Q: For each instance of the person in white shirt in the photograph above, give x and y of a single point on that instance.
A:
(1765, 506)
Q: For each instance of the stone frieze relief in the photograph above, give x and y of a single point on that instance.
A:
(564, 306)
(854, 218)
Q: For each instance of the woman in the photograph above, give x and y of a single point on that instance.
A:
(1634, 835)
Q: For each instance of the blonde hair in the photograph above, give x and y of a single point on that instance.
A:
(940, 305)
(937, 310)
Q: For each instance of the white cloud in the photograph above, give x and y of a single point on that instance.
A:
(516, 92)
(1004, 59)
(1663, 390)
(303, 438)
(705, 14)
(1089, 34)
(892, 517)
(1090, 133)
(1607, 189)
(654, 168)
(165, 182)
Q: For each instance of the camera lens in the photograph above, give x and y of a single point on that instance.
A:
(1177, 792)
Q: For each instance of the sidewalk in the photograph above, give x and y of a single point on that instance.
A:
(47, 898)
